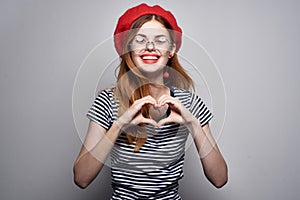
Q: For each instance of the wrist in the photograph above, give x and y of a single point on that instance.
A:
(117, 127)
(122, 121)
(193, 126)
(119, 123)
(191, 120)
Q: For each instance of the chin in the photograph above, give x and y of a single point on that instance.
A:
(151, 68)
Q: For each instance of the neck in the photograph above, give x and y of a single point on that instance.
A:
(156, 78)
(157, 90)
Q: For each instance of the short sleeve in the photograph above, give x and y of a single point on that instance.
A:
(100, 112)
(199, 110)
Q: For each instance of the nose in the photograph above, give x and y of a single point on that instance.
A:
(150, 46)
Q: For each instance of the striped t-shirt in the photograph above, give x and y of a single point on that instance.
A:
(154, 171)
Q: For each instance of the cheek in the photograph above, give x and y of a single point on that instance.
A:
(164, 58)
(136, 59)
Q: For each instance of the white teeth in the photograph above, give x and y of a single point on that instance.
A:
(150, 58)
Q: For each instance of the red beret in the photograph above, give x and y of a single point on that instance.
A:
(132, 14)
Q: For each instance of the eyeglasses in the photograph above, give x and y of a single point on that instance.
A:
(140, 42)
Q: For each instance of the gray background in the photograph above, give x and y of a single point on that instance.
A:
(255, 44)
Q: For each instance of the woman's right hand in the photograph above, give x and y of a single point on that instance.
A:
(133, 116)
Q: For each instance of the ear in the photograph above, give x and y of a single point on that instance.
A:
(173, 48)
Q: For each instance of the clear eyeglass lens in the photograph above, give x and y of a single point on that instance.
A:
(140, 42)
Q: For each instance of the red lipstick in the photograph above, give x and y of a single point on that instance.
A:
(150, 58)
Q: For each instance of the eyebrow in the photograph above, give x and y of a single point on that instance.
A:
(156, 36)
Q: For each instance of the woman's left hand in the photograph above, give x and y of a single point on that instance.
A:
(213, 163)
(179, 114)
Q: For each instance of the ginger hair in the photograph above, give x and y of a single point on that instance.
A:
(132, 85)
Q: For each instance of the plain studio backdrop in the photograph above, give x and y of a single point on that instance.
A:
(254, 44)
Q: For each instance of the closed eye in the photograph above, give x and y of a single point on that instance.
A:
(161, 39)
(140, 39)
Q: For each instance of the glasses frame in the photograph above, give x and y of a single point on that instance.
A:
(148, 42)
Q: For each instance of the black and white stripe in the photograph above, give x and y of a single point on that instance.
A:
(154, 171)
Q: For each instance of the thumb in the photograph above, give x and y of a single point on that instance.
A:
(164, 121)
(150, 121)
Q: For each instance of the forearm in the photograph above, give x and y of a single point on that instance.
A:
(215, 168)
(91, 161)
(213, 163)
(204, 142)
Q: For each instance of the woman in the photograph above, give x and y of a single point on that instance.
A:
(144, 121)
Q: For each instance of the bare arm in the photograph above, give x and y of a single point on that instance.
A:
(99, 142)
(214, 165)
(93, 154)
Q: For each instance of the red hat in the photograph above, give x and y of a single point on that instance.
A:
(132, 14)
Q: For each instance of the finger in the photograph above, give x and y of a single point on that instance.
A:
(168, 120)
(173, 118)
(150, 121)
(134, 109)
(165, 99)
(173, 103)
(149, 97)
(137, 105)
(162, 98)
(163, 121)
(141, 119)
(145, 100)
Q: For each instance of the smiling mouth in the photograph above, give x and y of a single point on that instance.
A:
(150, 58)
